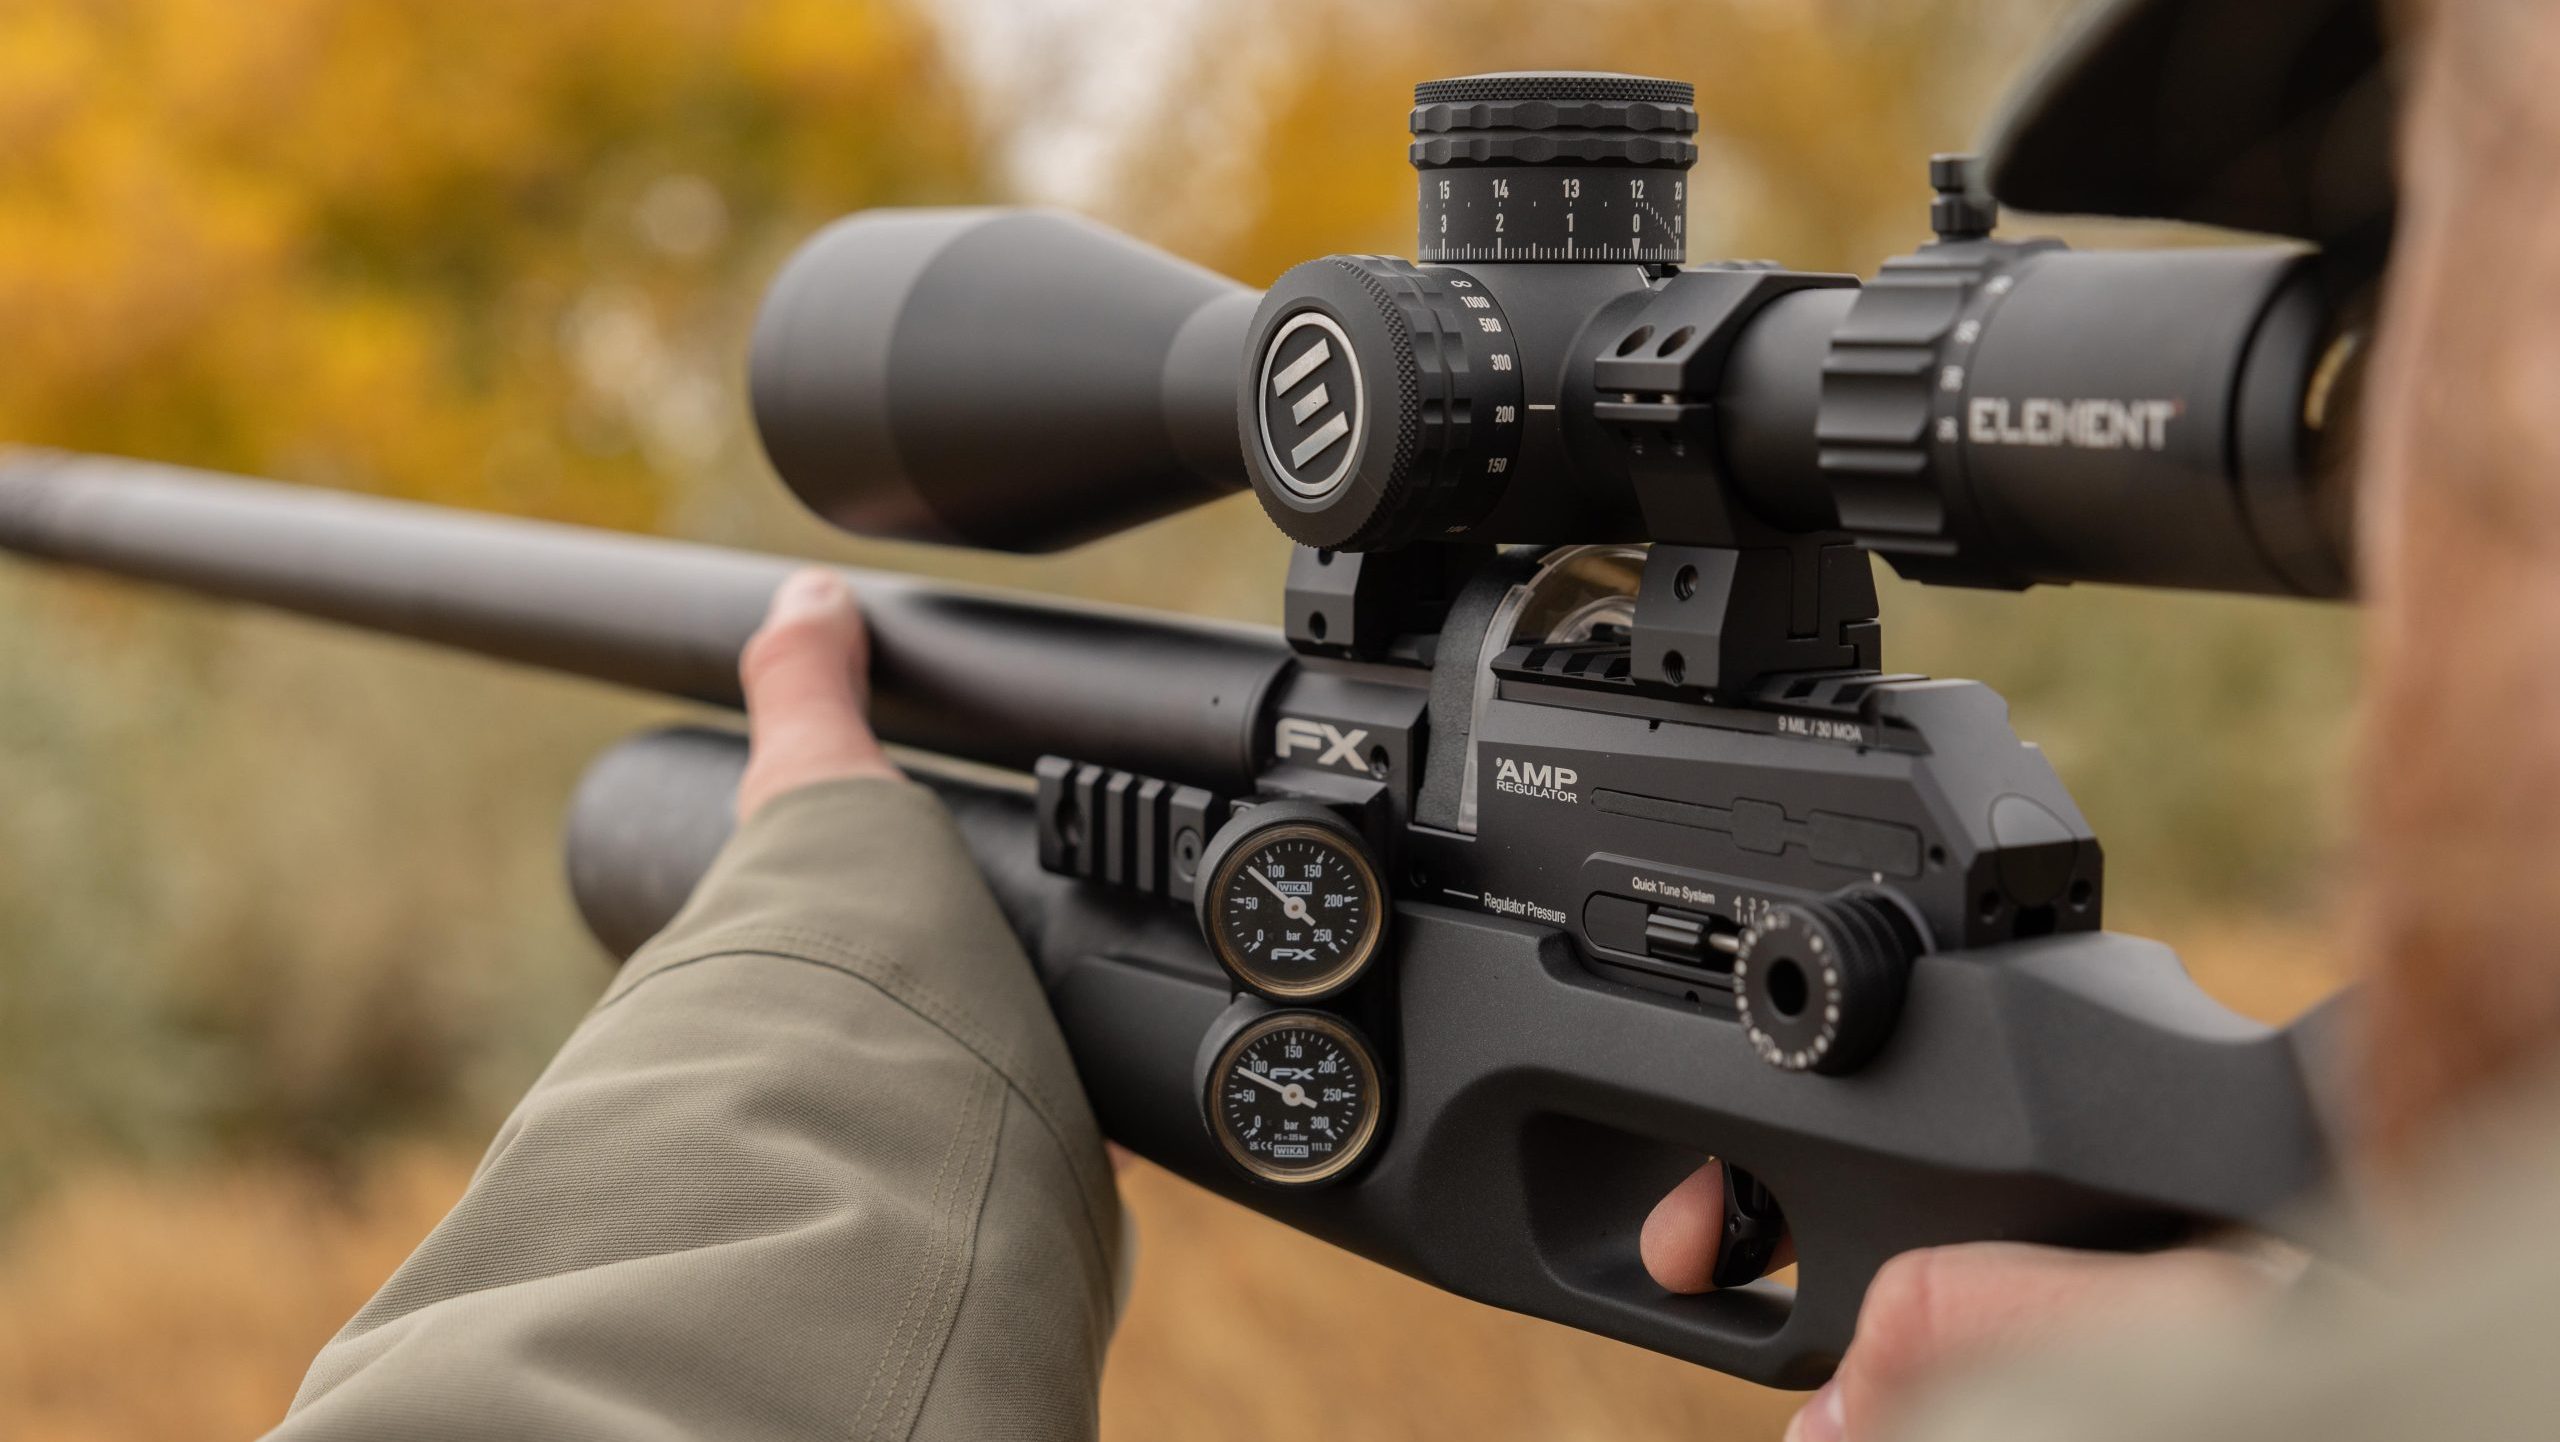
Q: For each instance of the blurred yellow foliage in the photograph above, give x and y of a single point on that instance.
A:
(131, 1309)
(1287, 138)
(486, 253)
(497, 255)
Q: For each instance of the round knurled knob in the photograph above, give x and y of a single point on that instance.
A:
(1381, 404)
(1819, 984)
(1549, 116)
(1554, 166)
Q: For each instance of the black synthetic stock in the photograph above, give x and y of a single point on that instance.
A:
(647, 820)
(2079, 1090)
(2073, 1088)
(981, 676)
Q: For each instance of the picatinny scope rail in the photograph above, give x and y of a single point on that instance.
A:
(980, 676)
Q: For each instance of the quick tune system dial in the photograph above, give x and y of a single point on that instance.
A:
(1554, 166)
(1819, 984)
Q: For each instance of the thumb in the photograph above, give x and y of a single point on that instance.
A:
(804, 674)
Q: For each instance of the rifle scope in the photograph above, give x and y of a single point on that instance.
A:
(1984, 412)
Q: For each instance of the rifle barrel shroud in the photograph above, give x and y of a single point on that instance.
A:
(979, 676)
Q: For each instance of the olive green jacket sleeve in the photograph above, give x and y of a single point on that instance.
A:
(817, 1166)
(2452, 1338)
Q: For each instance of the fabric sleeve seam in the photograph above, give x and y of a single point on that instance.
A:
(976, 1047)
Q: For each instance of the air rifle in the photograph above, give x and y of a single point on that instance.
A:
(1569, 833)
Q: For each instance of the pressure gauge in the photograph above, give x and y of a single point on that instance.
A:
(1295, 1098)
(1293, 907)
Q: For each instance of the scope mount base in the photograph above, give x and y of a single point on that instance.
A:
(1725, 620)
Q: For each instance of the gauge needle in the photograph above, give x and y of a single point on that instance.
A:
(1291, 1094)
(1290, 906)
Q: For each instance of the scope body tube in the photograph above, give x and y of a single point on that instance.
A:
(1771, 403)
(982, 676)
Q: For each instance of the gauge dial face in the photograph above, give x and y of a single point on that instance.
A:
(1296, 911)
(1294, 1098)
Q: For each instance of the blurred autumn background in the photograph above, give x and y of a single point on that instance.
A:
(281, 927)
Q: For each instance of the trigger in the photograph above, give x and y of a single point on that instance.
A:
(1753, 1227)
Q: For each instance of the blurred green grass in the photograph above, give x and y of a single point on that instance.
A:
(269, 886)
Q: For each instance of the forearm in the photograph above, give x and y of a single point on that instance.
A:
(817, 1165)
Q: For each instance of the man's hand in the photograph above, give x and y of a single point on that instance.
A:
(1932, 1312)
(806, 673)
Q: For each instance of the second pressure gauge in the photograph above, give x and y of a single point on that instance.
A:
(1295, 1098)
(1293, 906)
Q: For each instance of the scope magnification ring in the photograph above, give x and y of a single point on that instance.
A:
(1906, 351)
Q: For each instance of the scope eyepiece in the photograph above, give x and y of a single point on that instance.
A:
(2003, 414)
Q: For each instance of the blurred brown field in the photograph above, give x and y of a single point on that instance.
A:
(281, 927)
(142, 1305)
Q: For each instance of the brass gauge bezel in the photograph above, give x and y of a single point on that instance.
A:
(1353, 1044)
(1355, 961)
